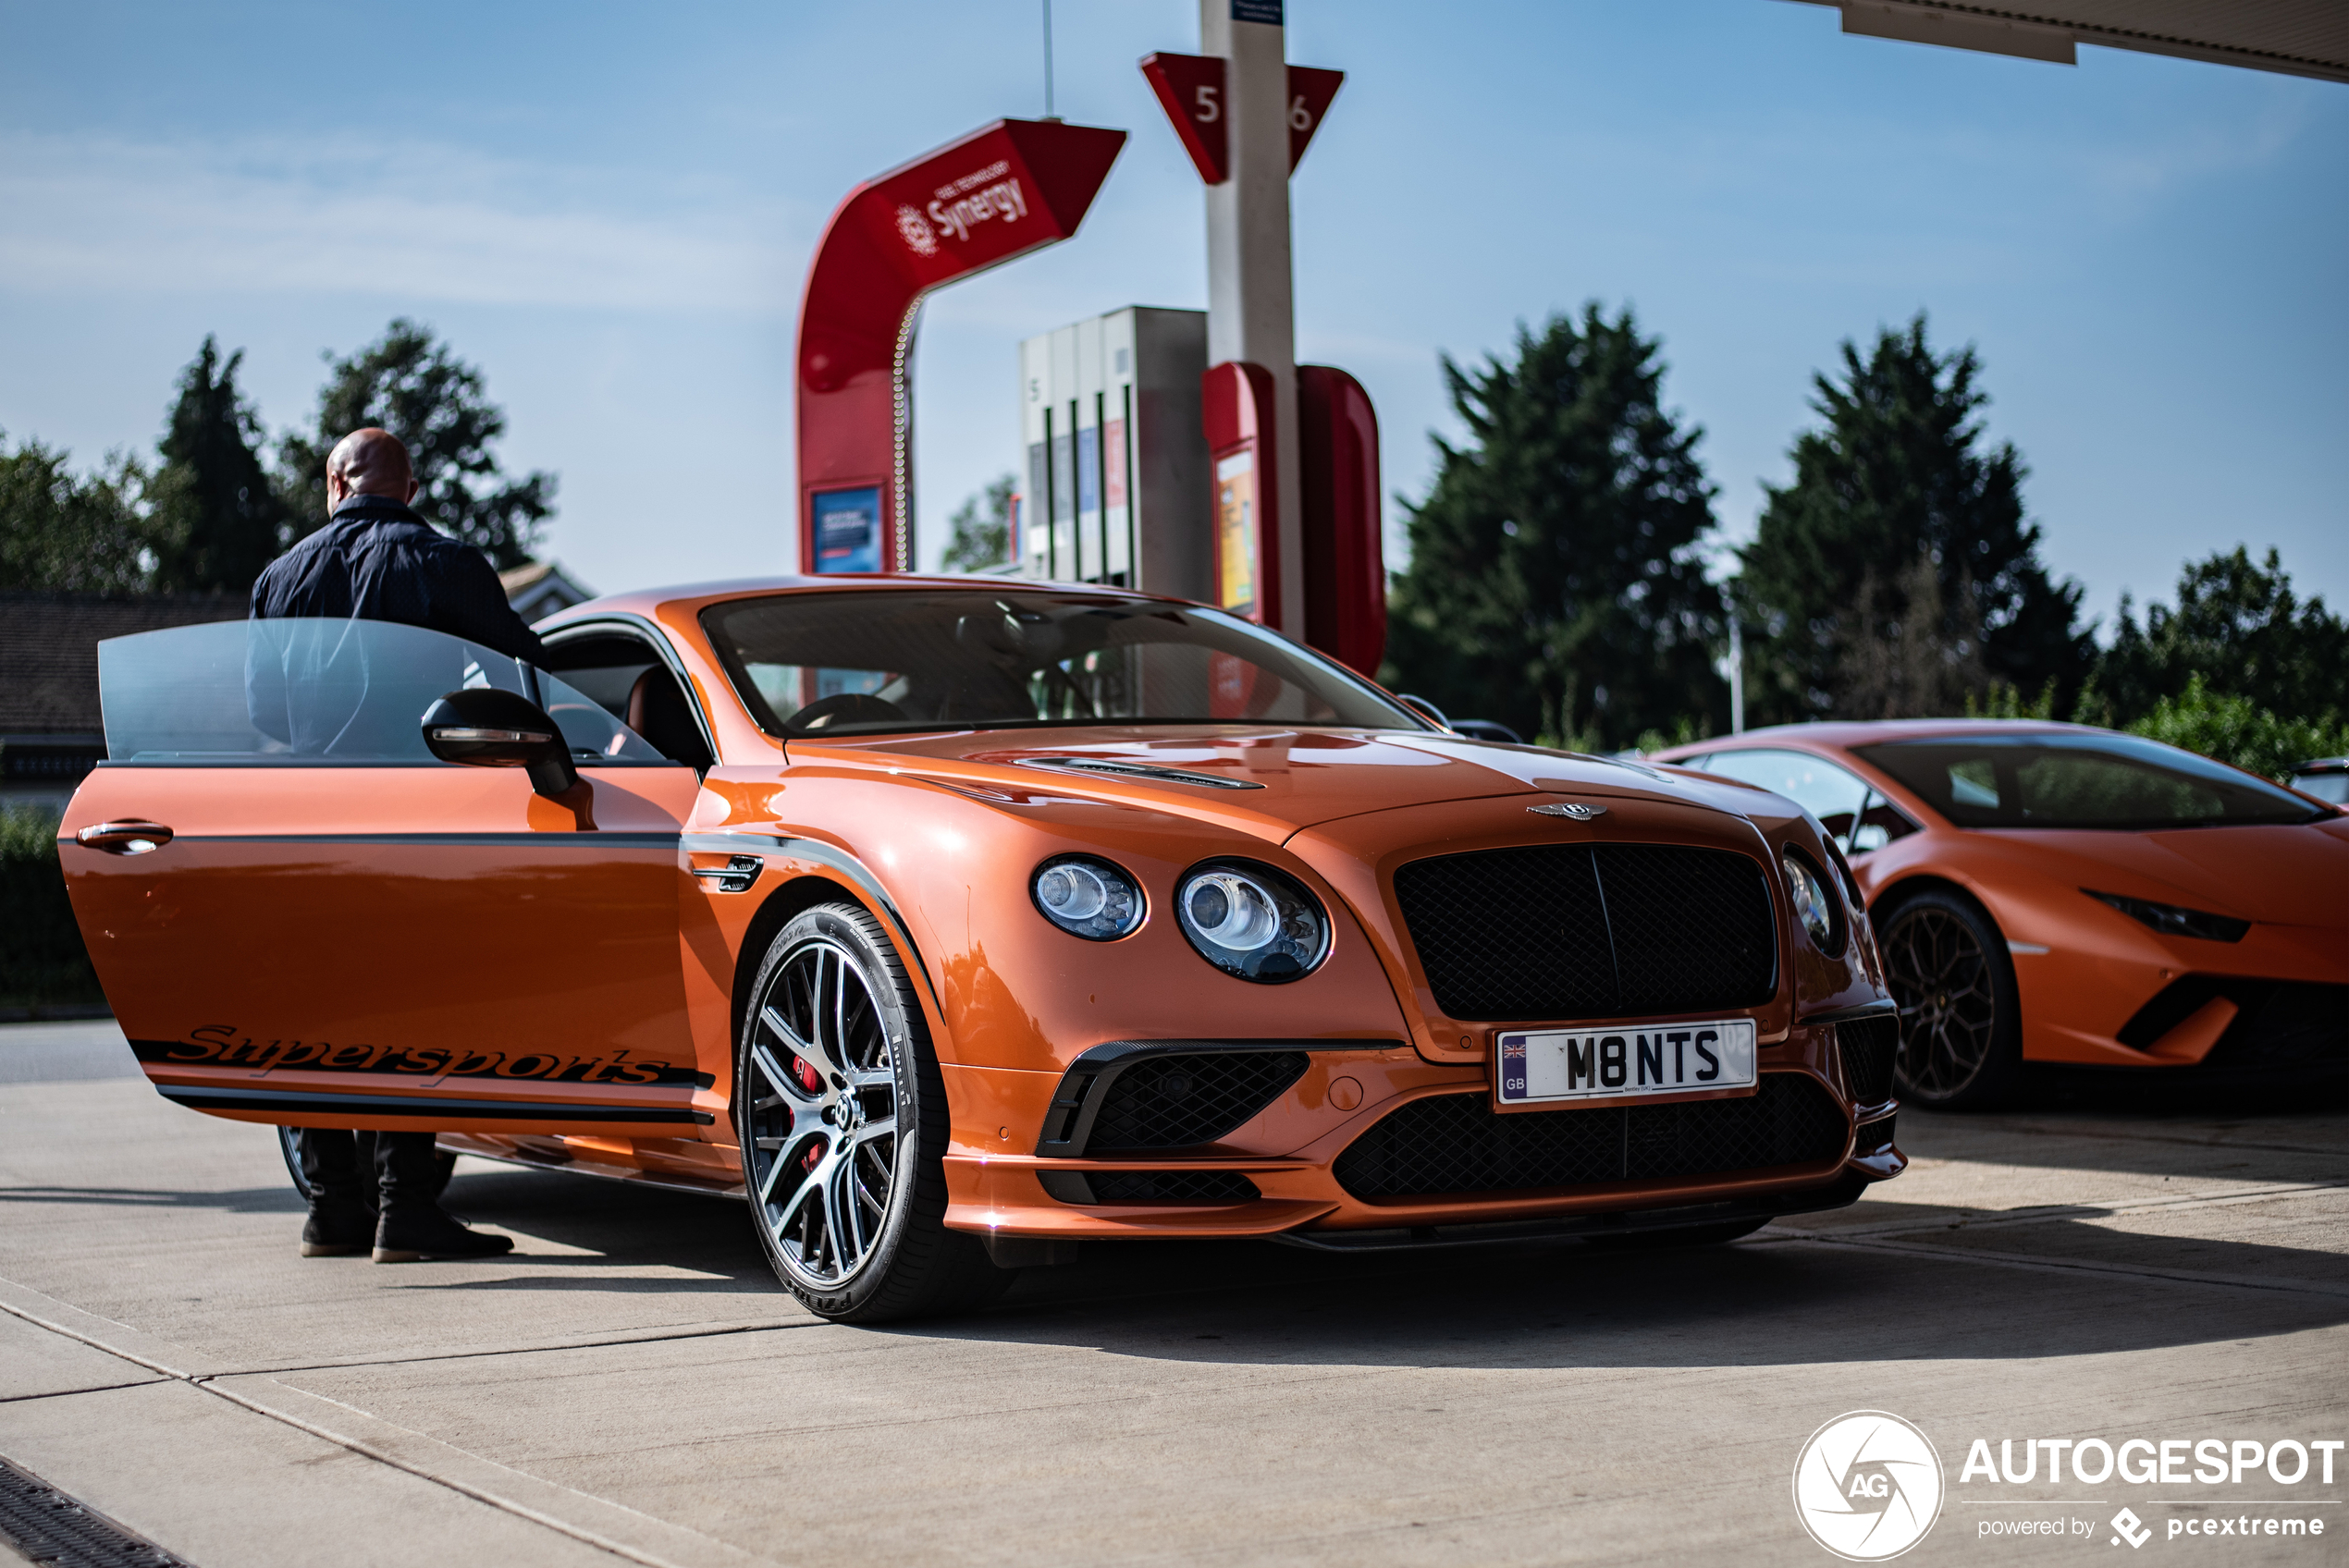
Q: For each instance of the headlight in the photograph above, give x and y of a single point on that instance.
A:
(1813, 905)
(1252, 921)
(1087, 898)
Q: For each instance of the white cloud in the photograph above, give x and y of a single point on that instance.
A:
(416, 221)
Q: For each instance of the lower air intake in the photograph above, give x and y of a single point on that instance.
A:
(1869, 1047)
(1455, 1143)
(1170, 1102)
(1149, 1186)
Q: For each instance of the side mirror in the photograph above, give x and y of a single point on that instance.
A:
(1425, 708)
(484, 728)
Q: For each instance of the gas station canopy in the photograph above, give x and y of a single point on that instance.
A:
(2295, 37)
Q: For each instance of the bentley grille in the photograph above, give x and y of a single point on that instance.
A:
(1604, 931)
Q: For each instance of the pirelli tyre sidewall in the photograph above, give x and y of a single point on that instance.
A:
(909, 1264)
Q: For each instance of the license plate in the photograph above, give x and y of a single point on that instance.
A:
(1624, 1064)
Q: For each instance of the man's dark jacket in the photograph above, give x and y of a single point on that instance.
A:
(378, 560)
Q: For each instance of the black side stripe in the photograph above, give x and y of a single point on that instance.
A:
(534, 840)
(444, 1111)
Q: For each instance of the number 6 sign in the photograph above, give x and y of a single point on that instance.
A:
(1190, 88)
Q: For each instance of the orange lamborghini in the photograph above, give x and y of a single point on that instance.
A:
(954, 921)
(2049, 892)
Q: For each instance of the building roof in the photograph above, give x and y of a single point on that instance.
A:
(539, 588)
(2296, 37)
(49, 651)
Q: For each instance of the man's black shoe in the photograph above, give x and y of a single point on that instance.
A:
(338, 1227)
(413, 1234)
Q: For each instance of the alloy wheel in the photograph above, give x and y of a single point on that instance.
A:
(1942, 980)
(821, 1143)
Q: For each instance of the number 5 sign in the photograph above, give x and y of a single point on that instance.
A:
(1191, 89)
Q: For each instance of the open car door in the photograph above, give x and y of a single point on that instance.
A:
(302, 916)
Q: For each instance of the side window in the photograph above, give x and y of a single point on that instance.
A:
(621, 675)
(1838, 798)
(1880, 822)
(315, 693)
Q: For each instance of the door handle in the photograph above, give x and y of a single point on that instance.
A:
(131, 836)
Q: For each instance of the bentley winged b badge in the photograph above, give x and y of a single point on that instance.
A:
(1573, 810)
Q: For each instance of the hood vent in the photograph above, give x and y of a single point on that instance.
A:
(1112, 769)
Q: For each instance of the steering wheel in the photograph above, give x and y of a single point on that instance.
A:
(860, 708)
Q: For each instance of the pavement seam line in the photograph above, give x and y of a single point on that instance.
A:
(2045, 1131)
(539, 1348)
(93, 1388)
(479, 1494)
(2025, 1260)
(208, 1382)
(2049, 1213)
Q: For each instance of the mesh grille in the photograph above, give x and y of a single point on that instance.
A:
(1870, 1046)
(1172, 1186)
(1455, 1143)
(1571, 931)
(1692, 928)
(1175, 1101)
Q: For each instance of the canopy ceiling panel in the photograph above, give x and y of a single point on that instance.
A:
(2297, 37)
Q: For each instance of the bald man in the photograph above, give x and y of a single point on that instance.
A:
(378, 560)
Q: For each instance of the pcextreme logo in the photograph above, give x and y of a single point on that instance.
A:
(1868, 1485)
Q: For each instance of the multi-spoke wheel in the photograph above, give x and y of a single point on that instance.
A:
(842, 1115)
(1948, 970)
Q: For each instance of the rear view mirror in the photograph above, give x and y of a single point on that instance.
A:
(482, 727)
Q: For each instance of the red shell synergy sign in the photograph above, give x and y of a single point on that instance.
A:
(1001, 192)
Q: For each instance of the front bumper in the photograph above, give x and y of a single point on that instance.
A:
(1282, 1175)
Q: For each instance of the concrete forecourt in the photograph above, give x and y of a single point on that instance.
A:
(2084, 1276)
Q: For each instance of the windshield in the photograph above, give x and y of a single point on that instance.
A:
(2089, 779)
(317, 691)
(877, 662)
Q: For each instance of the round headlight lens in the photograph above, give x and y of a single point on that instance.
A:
(1813, 904)
(1252, 920)
(1087, 898)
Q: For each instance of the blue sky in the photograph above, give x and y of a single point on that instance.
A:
(611, 209)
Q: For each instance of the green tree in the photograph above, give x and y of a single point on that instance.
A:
(218, 517)
(414, 387)
(84, 535)
(42, 959)
(982, 526)
(1899, 470)
(2237, 729)
(1555, 583)
(2238, 626)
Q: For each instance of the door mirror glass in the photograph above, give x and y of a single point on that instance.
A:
(320, 692)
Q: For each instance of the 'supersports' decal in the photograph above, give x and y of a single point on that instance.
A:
(221, 1045)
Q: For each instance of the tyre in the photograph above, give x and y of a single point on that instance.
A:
(1960, 1021)
(1680, 1236)
(292, 1153)
(841, 1112)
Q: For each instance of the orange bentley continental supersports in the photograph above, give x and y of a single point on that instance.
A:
(2049, 892)
(953, 921)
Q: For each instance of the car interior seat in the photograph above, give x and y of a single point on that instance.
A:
(657, 710)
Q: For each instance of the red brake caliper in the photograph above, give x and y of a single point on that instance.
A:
(813, 1081)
